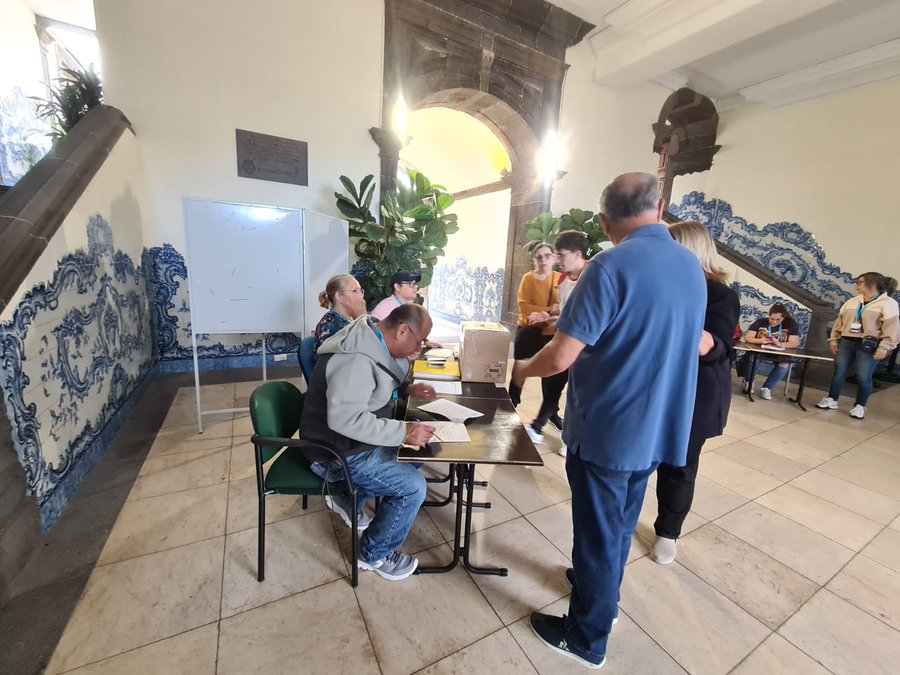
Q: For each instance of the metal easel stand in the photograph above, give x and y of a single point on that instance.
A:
(200, 411)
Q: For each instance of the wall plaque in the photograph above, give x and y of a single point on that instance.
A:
(273, 158)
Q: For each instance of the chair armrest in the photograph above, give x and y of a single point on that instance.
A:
(301, 443)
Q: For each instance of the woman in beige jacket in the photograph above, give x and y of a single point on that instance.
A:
(865, 332)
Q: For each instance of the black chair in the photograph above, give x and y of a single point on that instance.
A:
(275, 410)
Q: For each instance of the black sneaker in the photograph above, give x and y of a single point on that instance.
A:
(556, 421)
(552, 631)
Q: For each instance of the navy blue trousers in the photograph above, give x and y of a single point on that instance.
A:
(605, 509)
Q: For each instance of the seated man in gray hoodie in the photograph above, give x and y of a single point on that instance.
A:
(349, 407)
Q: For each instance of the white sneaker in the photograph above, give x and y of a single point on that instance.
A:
(858, 412)
(341, 506)
(563, 451)
(664, 550)
(766, 393)
(827, 403)
(535, 436)
(396, 567)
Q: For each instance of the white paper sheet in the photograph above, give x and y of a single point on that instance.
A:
(444, 387)
(450, 410)
(450, 432)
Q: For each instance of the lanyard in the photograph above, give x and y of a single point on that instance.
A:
(399, 303)
(769, 329)
(862, 306)
(384, 344)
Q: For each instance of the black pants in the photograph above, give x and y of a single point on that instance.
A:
(529, 342)
(675, 491)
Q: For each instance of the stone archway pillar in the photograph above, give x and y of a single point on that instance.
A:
(390, 143)
(528, 198)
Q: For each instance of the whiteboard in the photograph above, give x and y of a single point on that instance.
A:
(245, 267)
(327, 251)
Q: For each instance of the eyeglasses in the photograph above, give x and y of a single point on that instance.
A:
(545, 256)
(562, 253)
(353, 290)
(413, 333)
(414, 284)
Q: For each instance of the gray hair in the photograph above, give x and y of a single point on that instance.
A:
(629, 195)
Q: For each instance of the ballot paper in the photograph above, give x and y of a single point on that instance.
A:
(452, 411)
(450, 432)
(443, 387)
(442, 354)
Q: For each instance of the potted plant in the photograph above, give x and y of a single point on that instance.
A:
(412, 233)
(74, 94)
(544, 228)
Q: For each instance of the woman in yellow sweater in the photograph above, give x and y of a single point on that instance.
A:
(865, 332)
(538, 297)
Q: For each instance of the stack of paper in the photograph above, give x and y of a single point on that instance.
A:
(423, 370)
(452, 411)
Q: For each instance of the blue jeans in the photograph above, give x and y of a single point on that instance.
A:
(849, 354)
(377, 473)
(605, 509)
(779, 370)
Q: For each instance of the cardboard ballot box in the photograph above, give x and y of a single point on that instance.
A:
(484, 350)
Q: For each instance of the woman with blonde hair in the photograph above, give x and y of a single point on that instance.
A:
(343, 298)
(675, 484)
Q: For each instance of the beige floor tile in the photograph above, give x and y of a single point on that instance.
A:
(886, 442)
(852, 497)
(844, 639)
(712, 500)
(172, 440)
(318, 631)
(164, 522)
(777, 656)
(555, 523)
(885, 548)
(185, 395)
(536, 569)
(184, 471)
(748, 577)
(243, 462)
(191, 652)
(895, 524)
(736, 476)
(301, 553)
(702, 629)
(835, 431)
(719, 442)
(639, 548)
(135, 602)
(882, 461)
(186, 415)
(501, 510)
(770, 463)
(755, 415)
(813, 555)
(528, 489)
(877, 419)
(806, 453)
(243, 506)
(246, 388)
(243, 427)
(498, 653)
(742, 426)
(649, 512)
(872, 587)
(864, 476)
(630, 651)
(424, 618)
(836, 523)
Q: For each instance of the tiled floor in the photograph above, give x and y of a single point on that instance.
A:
(790, 564)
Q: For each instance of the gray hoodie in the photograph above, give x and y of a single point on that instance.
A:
(350, 399)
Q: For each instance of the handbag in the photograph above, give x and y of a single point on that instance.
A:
(868, 345)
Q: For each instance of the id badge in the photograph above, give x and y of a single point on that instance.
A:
(856, 328)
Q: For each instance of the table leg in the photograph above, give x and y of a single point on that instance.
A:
(462, 532)
(801, 386)
(750, 375)
(450, 477)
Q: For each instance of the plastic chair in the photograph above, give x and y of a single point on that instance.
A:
(307, 357)
(275, 410)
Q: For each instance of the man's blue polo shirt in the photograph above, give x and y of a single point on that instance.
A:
(639, 308)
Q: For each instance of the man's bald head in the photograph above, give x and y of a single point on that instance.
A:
(405, 329)
(630, 201)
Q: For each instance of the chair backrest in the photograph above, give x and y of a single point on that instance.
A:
(307, 357)
(275, 410)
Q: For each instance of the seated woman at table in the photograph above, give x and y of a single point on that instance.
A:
(343, 298)
(777, 330)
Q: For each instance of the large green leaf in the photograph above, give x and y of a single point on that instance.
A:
(444, 201)
(350, 187)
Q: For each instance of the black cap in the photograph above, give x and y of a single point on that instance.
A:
(404, 275)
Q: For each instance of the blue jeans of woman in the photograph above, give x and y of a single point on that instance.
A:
(849, 355)
(779, 370)
(377, 473)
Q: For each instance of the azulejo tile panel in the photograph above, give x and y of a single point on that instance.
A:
(168, 290)
(23, 137)
(787, 249)
(755, 304)
(471, 294)
(73, 352)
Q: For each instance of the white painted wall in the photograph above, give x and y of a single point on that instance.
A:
(829, 165)
(188, 73)
(20, 51)
(603, 132)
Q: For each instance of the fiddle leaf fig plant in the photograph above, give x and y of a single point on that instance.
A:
(544, 228)
(411, 234)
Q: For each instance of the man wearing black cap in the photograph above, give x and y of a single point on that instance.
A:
(406, 286)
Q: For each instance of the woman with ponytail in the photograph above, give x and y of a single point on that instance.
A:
(343, 298)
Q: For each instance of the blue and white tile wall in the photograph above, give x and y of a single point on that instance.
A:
(168, 290)
(75, 353)
(755, 304)
(23, 136)
(459, 292)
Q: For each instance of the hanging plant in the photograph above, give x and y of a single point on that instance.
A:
(74, 94)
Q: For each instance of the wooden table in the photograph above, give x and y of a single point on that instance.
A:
(497, 437)
(802, 354)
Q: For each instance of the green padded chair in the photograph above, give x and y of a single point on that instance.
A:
(275, 410)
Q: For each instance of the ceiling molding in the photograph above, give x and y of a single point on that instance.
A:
(866, 66)
(672, 80)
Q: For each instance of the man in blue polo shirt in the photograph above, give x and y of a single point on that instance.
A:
(631, 332)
